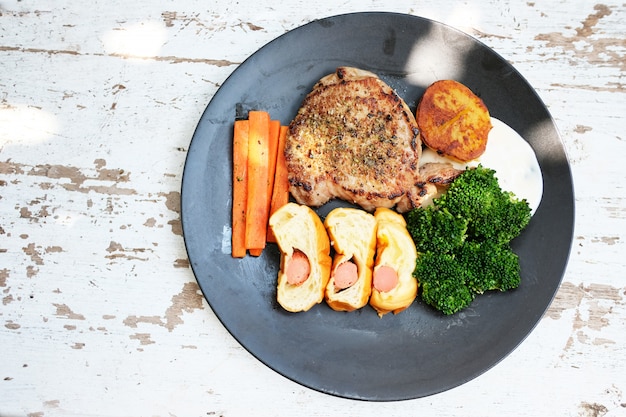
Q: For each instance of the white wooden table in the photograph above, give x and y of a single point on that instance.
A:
(101, 314)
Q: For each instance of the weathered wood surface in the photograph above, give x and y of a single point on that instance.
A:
(101, 314)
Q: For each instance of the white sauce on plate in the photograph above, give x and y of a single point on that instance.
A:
(514, 161)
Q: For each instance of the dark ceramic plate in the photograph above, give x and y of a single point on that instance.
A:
(359, 355)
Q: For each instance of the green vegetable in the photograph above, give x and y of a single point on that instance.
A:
(493, 214)
(443, 282)
(463, 241)
(435, 229)
(491, 266)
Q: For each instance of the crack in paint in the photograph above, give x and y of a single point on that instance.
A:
(8, 299)
(117, 251)
(75, 176)
(33, 253)
(593, 409)
(188, 300)
(172, 202)
(144, 338)
(181, 263)
(11, 325)
(584, 47)
(4, 274)
(592, 305)
(64, 311)
(156, 58)
(592, 20)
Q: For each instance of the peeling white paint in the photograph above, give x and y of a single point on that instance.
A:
(98, 103)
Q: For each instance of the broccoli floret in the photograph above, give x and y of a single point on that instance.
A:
(435, 229)
(443, 282)
(492, 214)
(491, 266)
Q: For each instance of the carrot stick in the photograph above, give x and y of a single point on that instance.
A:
(273, 151)
(240, 187)
(258, 166)
(280, 191)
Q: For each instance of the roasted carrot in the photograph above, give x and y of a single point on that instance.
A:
(274, 133)
(240, 187)
(273, 151)
(280, 191)
(258, 169)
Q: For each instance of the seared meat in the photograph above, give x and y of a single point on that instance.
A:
(432, 179)
(354, 138)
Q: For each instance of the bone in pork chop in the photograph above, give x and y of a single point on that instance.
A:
(354, 138)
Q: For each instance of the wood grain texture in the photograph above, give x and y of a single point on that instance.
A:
(101, 314)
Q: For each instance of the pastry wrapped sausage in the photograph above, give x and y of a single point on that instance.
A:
(305, 257)
(394, 287)
(352, 234)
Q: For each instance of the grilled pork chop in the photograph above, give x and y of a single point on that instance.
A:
(354, 138)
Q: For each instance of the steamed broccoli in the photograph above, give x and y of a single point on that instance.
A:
(435, 229)
(443, 282)
(491, 266)
(463, 241)
(493, 214)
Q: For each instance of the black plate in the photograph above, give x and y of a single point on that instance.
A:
(358, 355)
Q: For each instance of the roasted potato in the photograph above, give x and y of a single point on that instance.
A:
(453, 121)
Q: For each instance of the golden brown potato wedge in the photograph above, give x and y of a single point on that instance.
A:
(453, 121)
